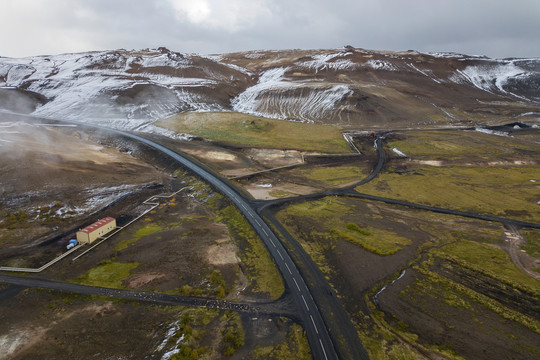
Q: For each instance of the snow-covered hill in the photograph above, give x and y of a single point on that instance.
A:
(349, 86)
(352, 87)
(126, 89)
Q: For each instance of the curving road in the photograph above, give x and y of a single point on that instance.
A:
(317, 333)
(319, 339)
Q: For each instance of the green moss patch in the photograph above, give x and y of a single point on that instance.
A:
(455, 143)
(335, 175)
(328, 214)
(107, 274)
(256, 257)
(488, 260)
(295, 347)
(378, 241)
(139, 234)
(248, 130)
(532, 243)
(500, 191)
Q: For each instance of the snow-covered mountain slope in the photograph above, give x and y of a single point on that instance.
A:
(128, 88)
(351, 87)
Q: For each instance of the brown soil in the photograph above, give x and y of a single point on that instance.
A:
(223, 253)
(190, 246)
(475, 333)
(355, 272)
(72, 184)
(55, 325)
(139, 281)
(395, 96)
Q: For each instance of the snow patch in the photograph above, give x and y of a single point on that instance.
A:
(445, 55)
(491, 77)
(253, 55)
(399, 153)
(427, 73)
(380, 65)
(275, 96)
(173, 329)
(531, 113)
(82, 86)
(491, 132)
(327, 62)
(376, 296)
(11, 342)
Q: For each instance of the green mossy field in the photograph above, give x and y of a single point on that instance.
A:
(255, 131)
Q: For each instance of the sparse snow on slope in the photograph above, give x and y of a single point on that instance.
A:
(491, 132)
(88, 86)
(492, 77)
(253, 55)
(132, 89)
(444, 55)
(328, 62)
(276, 96)
(380, 65)
(427, 73)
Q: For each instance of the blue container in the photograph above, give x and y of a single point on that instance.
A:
(72, 243)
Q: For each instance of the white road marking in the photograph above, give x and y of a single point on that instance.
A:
(274, 245)
(313, 321)
(324, 351)
(298, 287)
(264, 231)
(288, 268)
(281, 256)
(307, 307)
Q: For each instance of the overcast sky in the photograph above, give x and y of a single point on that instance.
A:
(496, 28)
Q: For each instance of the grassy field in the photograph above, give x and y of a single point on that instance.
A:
(107, 274)
(488, 260)
(459, 296)
(500, 191)
(456, 143)
(247, 130)
(139, 234)
(256, 257)
(296, 347)
(328, 213)
(532, 244)
(335, 175)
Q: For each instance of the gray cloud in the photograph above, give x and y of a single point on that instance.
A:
(493, 28)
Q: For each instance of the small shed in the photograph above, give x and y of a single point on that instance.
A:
(99, 228)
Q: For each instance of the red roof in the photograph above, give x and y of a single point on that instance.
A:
(97, 225)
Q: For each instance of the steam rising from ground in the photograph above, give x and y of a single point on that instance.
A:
(60, 168)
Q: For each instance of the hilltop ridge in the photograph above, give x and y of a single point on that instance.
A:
(351, 87)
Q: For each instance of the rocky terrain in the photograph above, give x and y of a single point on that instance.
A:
(403, 184)
(351, 87)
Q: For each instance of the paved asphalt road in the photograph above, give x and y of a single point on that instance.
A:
(319, 339)
(322, 346)
(317, 333)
